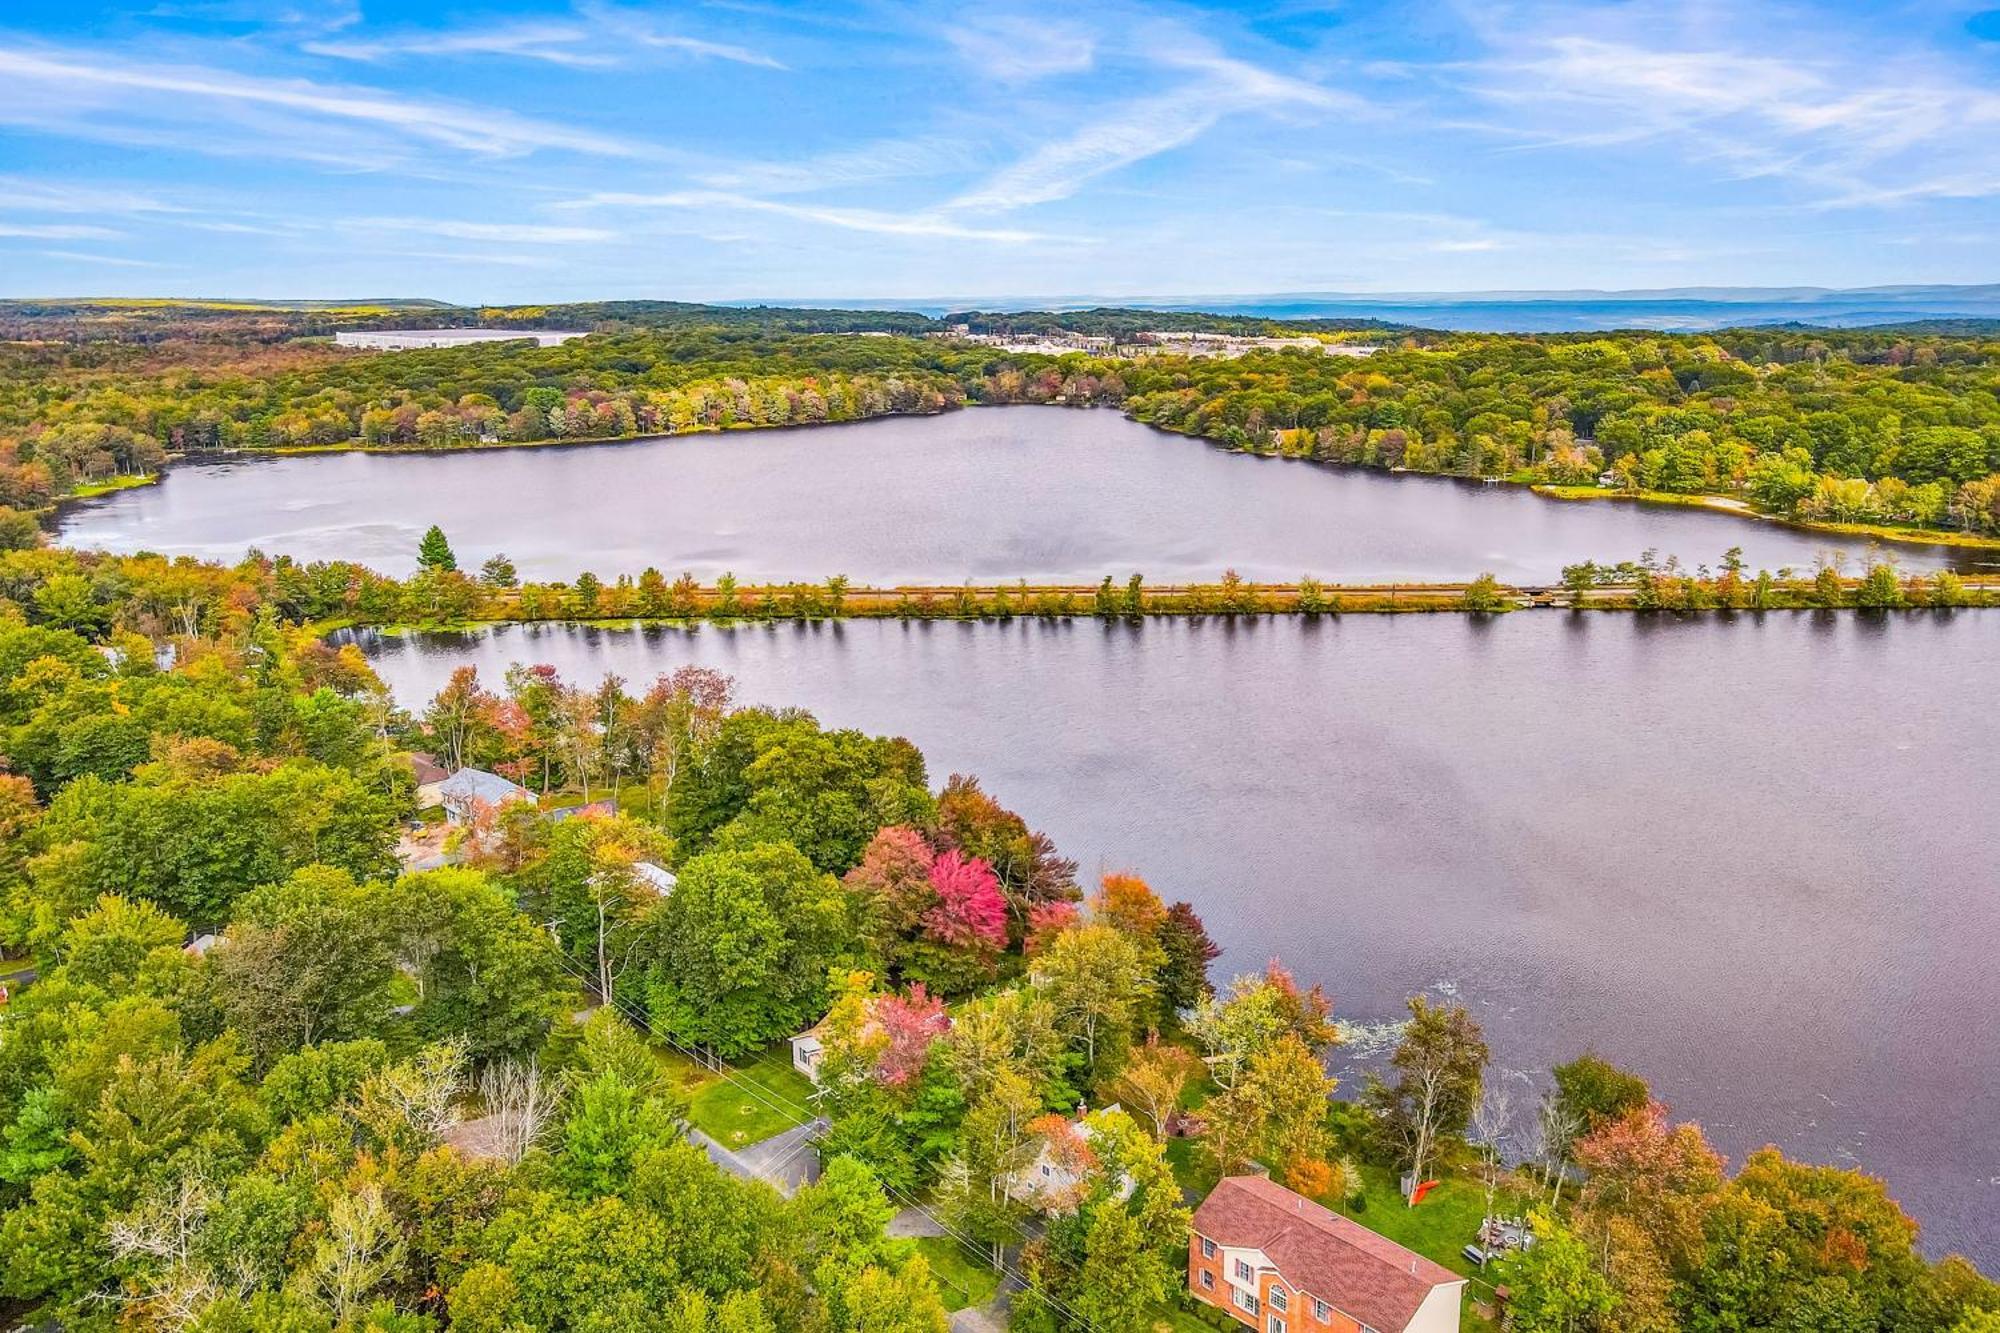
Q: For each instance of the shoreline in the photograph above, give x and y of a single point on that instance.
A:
(1729, 504)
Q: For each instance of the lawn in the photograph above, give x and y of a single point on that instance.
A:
(963, 1279)
(736, 1116)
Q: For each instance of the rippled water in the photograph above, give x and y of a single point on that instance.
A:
(989, 494)
(1755, 857)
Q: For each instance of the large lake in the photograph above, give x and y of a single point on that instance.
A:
(1755, 857)
(988, 494)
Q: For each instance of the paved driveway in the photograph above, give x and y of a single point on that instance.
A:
(787, 1160)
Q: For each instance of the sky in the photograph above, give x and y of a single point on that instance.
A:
(554, 150)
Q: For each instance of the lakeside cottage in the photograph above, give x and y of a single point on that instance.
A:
(1279, 1263)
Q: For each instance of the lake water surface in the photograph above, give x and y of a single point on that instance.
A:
(988, 494)
(1755, 857)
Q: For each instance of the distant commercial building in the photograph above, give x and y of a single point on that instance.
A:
(403, 340)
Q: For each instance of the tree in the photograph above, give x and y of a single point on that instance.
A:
(305, 961)
(1439, 1064)
(1153, 1080)
(972, 1189)
(1880, 590)
(1662, 1179)
(485, 974)
(18, 531)
(906, 1300)
(498, 571)
(434, 552)
(612, 1125)
(1482, 595)
(1257, 1011)
(1595, 1091)
(1558, 1285)
(1188, 950)
(1289, 1089)
(738, 955)
(1096, 980)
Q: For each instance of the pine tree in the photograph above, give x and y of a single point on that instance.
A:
(435, 552)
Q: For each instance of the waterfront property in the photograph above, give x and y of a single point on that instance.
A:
(404, 340)
(1280, 1263)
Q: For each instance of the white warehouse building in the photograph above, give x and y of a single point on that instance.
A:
(402, 340)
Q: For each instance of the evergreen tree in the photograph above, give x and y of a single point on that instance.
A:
(435, 552)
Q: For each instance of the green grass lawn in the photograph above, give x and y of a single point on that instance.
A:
(962, 1278)
(736, 1117)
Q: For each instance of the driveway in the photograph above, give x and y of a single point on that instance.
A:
(786, 1160)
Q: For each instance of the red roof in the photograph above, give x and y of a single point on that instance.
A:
(1368, 1277)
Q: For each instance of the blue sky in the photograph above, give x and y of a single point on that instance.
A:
(570, 149)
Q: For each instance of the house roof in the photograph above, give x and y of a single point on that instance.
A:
(659, 877)
(1368, 1276)
(427, 769)
(476, 784)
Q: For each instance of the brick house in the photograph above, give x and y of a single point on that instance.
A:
(1280, 1263)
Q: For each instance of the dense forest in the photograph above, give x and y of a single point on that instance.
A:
(1850, 426)
(260, 1072)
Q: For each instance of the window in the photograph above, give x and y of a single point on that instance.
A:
(1244, 1272)
(1276, 1325)
(1321, 1310)
(1207, 1248)
(1207, 1280)
(1277, 1298)
(1244, 1300)
(1046, 1173)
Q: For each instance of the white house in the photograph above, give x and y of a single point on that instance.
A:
(1050, 1178)
(469, 790)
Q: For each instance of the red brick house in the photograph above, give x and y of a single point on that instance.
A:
(1280, 1263)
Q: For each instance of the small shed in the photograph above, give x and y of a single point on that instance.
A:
(807, 1048)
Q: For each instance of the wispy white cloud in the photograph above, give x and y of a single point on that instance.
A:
(517, 232)
(1015, 48)
(918, 224)
(24, 194)
(555, 43)
(597, 37)
(115, 261)
(56, 231)
(91, 92)
(1109, 140)
(882, 160)
(1847, 126)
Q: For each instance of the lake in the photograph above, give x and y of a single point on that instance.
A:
(988, 494)
(1756, 858)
